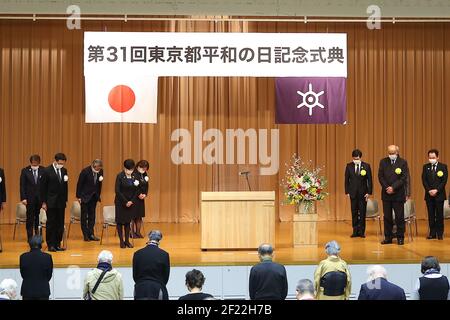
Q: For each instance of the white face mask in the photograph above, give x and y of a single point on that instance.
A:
(129, 172)
(34, 167)
(393, 156)
(357, 161)
(141, 171)
(59, 166)
(95, 171)
(432, 161)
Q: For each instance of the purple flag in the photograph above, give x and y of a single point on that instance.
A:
(311, 100)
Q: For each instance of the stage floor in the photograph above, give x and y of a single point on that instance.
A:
(182, 241)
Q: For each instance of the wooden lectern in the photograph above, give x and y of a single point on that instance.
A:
(237, 220)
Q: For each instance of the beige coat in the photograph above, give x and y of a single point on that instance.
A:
(111, 287)
(332, 263)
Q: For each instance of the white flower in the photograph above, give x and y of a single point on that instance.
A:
(1, 179)
(100, 178)
(146, 178)
(136, 183)
(66, 178)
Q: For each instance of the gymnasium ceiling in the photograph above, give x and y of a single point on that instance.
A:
(324, 8)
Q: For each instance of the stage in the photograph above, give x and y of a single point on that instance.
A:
(182, 241)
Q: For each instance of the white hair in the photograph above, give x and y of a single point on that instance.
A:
(8, 287)
(105, 256)
(332, 248)
(375, 272)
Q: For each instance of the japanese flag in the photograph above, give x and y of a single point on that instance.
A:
(121, 99)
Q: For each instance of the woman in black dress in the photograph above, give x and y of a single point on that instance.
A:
(127, 191)
(141, 174)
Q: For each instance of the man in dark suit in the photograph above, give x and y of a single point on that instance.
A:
(36, 269)
(268, 280)
(30, 195)
(392, 174)
(2, 189)
(358, 185)
(54, 199)
(89, 188)
(434, 179)
(378, 288)
(151, 270)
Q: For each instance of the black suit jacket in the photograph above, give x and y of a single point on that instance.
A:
(431, 181)
(29, 190)
(36, 268)
(151, 263)
(86, 188)
(54, 192)
(381, 289)
(2, 186)
(358, 185)
(388, 178)
(268, 281)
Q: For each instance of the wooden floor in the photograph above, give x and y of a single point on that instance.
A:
(182, 241)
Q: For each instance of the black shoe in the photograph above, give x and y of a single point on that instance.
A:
(60, 249)
(140, 236)
(94, 238)
(362, 236)
(431, 237)
(87, 239)
(354, 235)
(400, 241)
(386, 241)
(440, 237)
(51, 249)
(128, 245)
(122, 245)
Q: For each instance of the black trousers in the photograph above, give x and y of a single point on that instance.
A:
(33, 209)
(36, 298)
(435, 217)
(399, 211)
(359, 207)
(55, 226)
(88, 217)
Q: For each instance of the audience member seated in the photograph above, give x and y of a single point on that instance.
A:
(8, 289)
(103, 282)
(268, 280)
(36, 268)
(433, 285)
(194, 283)
(305, 290)
(332, 278)
(151, 270)
(378, 287)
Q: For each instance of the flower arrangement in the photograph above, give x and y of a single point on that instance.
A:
(440, 174)
(303, 184)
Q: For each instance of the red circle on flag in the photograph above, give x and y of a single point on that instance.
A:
(121, 98)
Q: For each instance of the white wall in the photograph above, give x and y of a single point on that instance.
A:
(224, 282)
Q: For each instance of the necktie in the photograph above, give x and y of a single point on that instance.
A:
(433, 170)
(392, 162)
(35, 175)
(357, 169)
(59, 174)
(95, 177)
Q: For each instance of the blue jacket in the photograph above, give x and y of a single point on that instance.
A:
(381, 289)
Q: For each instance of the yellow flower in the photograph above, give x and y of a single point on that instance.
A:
(440, 173)
(363, 172)
(398, 171)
